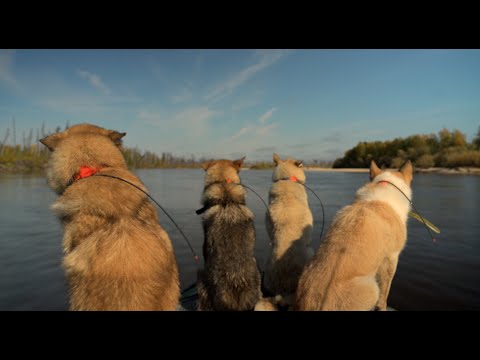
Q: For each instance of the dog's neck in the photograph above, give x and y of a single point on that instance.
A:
(213, 182)
(221, 192)
(380, 190)
(291, 178)
(86, 171)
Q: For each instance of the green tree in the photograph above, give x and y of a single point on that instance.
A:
(445, 138)
(449, 149)
(459, 138)
(476, 140)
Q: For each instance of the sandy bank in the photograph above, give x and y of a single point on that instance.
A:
(433, 170)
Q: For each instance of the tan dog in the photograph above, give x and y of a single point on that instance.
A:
(289, 226)
(355, 264)
(116, 255)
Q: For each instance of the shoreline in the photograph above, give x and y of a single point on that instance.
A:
(432, 170)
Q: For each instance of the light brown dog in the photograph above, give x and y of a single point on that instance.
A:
(289, 225)
(116, 255)
(355, 264)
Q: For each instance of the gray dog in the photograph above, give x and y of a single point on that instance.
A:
(230, 279)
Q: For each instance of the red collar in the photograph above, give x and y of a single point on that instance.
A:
(291, 178)
(86, 171)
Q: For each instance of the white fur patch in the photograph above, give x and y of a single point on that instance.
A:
(388, 194)
(62, 208)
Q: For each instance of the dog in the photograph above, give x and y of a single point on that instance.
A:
(355, 264)
(116, 255)
(230, 280)
(289, 225)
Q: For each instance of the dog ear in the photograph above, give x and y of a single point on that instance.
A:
(407, 171)
(238, 163)
(374, 170)
(52, 141)
(116, 137)
(206, 165)
(299, 163)
(276, 159)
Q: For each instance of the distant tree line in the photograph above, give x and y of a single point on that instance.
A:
(446, 149)
(31, 155)
(150, 160)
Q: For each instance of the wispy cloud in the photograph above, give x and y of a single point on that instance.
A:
(264, 130)
(266, 58)
(266, 116)
(335, 137)
(150, 118)
(328, 147)
(258, 128)
(184, 95)
(266, 149)
(300, 146)
(243, 131)
(94, 80)
(72, 104)
(251, 100)
(195, 121)
(6, 61)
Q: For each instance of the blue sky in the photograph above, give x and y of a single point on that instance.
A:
(310, 104)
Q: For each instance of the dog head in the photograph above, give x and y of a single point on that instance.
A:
(222, 170)
(284, 169)
(405, 172)
(81, 145)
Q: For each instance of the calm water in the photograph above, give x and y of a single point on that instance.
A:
(431, 276)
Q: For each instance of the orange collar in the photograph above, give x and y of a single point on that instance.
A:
(383, 183)
(86, 171)
(291, 178)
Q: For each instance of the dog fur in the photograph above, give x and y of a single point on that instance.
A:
(355, 264)
(116, 255)
(230, 279)
(289, 224)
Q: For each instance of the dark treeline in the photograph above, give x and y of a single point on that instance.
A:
(25, 154)
(137, 159)
(261, 165)
(28, 154)
(447, 149)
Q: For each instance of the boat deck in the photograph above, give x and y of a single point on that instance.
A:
(190, 296)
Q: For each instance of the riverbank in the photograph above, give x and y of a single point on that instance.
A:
(454, 171)
(25, 169)
(20, 168)
(432, 170)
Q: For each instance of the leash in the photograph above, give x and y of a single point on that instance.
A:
(195, 256)
(295, 180)
(229, 181)
(411, 203)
